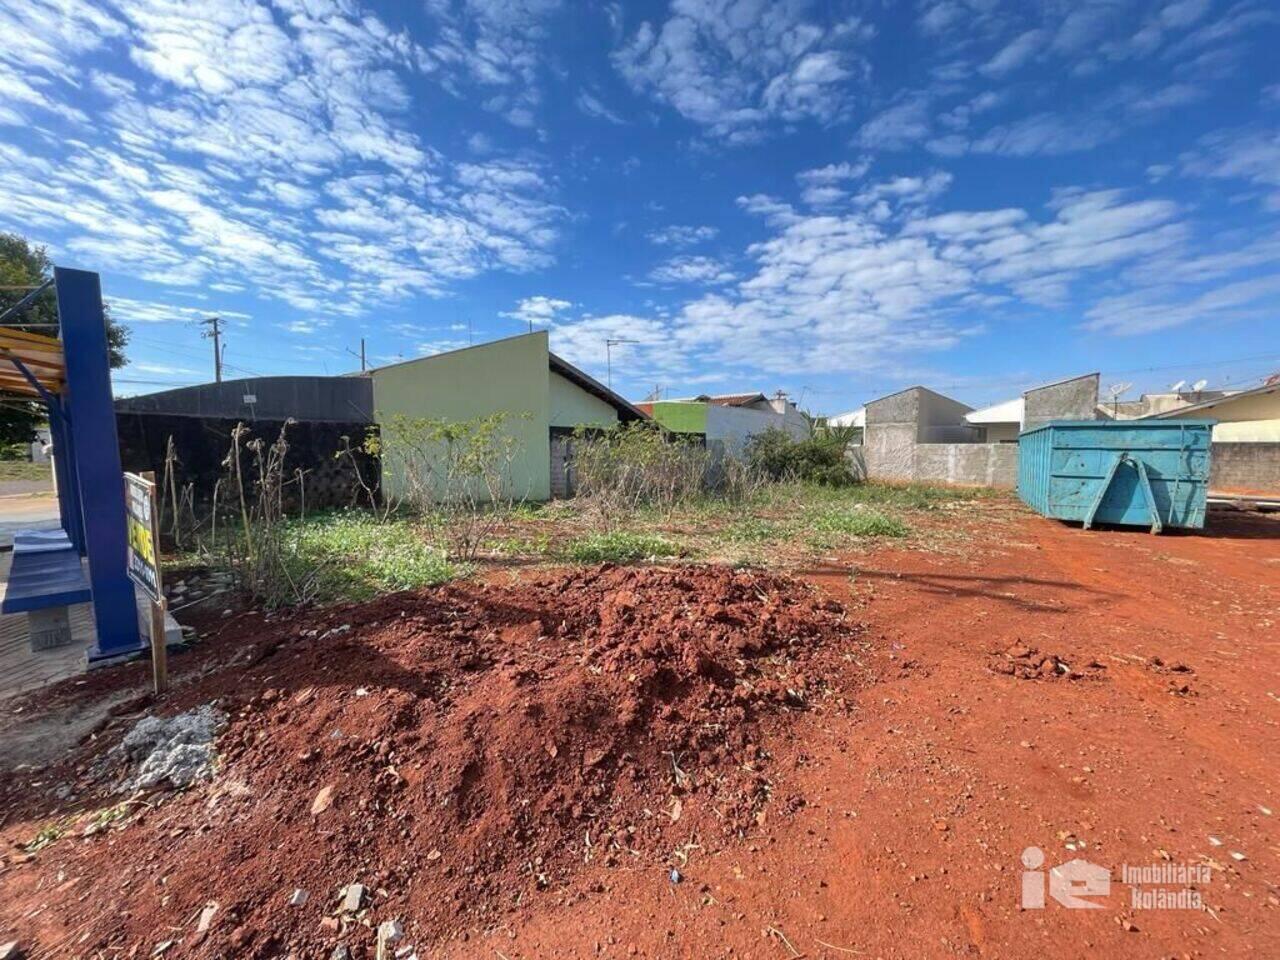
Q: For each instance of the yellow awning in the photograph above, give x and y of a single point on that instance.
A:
(40, 354)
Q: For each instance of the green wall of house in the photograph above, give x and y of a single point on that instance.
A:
(507, 376)
(571, 406)
(681, 416)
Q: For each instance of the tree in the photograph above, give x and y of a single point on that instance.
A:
(23, 266)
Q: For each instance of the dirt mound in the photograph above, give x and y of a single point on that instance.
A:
(457, 751)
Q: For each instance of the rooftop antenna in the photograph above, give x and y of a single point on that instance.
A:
(609, 344)
(1115, 392)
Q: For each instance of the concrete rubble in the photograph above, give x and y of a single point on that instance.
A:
(174, 751)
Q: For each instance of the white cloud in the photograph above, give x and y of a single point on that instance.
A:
(682, 237)
(856, 291)
(538, 310)
(590, 104)
(1162, 307)
(268, 148)
(1019, 50)
(898, 126)
(491, 49)
(732, 65)
(1251, 155)
(692, 269)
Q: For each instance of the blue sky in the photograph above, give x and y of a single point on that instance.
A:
(837, 200)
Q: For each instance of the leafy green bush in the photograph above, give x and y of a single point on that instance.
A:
(816, 459)
(619, 546)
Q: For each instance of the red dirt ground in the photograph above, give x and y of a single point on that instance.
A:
(1105, 695)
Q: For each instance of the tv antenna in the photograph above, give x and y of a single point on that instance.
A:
(1115, 392)
(609, 344)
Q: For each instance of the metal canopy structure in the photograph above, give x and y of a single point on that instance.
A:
(71, 375)
(42, 358)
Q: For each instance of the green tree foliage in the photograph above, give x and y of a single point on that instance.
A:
(23, 266)
(816, 459)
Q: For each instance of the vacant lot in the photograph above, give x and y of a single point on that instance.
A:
(844, 755)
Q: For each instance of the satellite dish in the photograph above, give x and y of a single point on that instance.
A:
(1117, 390)
(1199, 385)
(1177, 387)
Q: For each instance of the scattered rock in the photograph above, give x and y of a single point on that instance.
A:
(389, 931)
(299, 898)
(353, 898)
(206, 917)
(323, 801)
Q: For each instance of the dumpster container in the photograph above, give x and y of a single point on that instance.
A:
(1151, 473)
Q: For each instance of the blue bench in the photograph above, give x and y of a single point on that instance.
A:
(45, 572)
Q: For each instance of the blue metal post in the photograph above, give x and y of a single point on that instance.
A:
(64, 463)
(95, 456)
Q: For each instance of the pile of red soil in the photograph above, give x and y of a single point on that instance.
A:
(458, 751)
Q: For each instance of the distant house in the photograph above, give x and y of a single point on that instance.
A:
(1247, 416)
(544, 397)
(727, 421)
(1246, 439)
(919, 434)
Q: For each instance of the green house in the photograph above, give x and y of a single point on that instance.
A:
(543, 397)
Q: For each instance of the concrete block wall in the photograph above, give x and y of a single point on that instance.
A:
(967, 464)
(1245, 468)
(1075, 399)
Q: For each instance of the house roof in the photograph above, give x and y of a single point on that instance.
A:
(854, 418)
(731, 399)
(1009, 411)
(1272, 385)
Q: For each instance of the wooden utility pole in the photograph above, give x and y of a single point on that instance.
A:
(215, 334)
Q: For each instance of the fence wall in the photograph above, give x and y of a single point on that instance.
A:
(202, 443)
(1245, 468)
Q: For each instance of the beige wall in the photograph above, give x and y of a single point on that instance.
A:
(1251, 419)
(508, 376)
(571, 406)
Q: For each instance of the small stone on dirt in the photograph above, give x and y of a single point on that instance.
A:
(390, 931)
(299, 898)
(323, 801)
(353, 898)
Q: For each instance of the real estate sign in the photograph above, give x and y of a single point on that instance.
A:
(144, 537)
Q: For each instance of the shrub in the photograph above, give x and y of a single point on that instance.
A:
(619, 546)
(816, 459)
(619, 470)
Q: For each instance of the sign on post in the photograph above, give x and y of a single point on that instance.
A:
(144, 563)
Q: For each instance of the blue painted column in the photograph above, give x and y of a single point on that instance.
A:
(64, 461)
(95, 459)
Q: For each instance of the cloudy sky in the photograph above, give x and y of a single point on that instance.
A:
(834, 199)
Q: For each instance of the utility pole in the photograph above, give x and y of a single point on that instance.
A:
(214, 333)
(608, 354)
(363, 363)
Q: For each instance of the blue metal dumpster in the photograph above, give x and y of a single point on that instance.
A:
(1151, 473)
